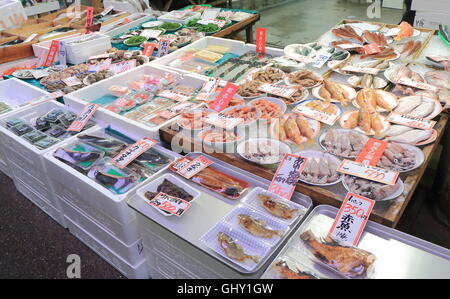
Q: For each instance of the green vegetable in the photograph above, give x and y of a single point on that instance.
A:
(192, 23)
(135, 40)
(208, 28)
(169, 26)
(221, 18)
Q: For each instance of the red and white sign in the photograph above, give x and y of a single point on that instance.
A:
(148, 49)
(372, 152)
(223, 121)
(133, 151)
(419, 85)
(368, 172)
(411, 121)
(372, 49)
(173, 95)
(82, 119)
(261, 41)
(122, 66)
(278, 90)
(357, 69)
(287, 175)
(208, 88)
(51, 54)
(89, 17)
(101, 66)
(171, 204)
(223, 99)
(326, 118)
(179, 164)
(151, 33)
(72, 81)
(351, 219)
(194, 167)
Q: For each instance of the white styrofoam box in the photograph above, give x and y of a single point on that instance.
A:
(132, 254)
(81, 97)
(40, 49)
(54, 213)
(80, 52)
(137, 271)
(431, 19)
(442, 6)
(169, 18)
(41, 8)
(397, 4)
(113, 30)
(128, 6)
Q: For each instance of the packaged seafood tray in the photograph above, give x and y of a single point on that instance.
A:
(423, 259)
(179, 237)
(181, 17)
(80, 48)
(101, 189)
(119, 27)
(137, 108)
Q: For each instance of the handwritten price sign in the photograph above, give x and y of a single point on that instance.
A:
(278, 90)
(368, 172)
(372, 152)
(261, 41)
(287, 175)
(169, 94)
(410, 121)
(194, 167)
(351, 218)
(82, 119)
(223, 121)
(208, 88)
(326, 118)
(129, 154)
(364, 70)
(170, 204)
(419, 85)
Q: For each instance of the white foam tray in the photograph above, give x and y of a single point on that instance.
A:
(40, 49)
(112, 29)
(79, 53)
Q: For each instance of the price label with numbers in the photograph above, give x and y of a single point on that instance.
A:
(321, 58)
(351, 219)
(208, 88)
(89, 18)
(51, 54)
(326, 118)
(122, 66)
(72, 81)
(39, 73)
(372, 152)
(368, 172)
(179, 164)
(287, 175)
(278, 90)
(173, 95)
(101, 66)
(194, 167)
(223, 121)
(82, 119)
(357, 69)
(129, 154)
(411, 121)
(419, 85)
(171, 204)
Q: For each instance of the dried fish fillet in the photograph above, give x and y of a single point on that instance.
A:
(412, 136)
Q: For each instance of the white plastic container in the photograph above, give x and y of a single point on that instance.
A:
(40, 49)
(80, 52)
(137, 271)
(113, 30)
(169, 17)
(81, 97)
(132, 254)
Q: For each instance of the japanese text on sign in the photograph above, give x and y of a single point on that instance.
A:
(148, 49)
(101, 66)
(129, 154)
(368, 172)
(208, 88)
(372, 152)
(173, 205)
(261, 41)
(411, 121)
(51, 54)
(82, 119)
(123, 66)
(278, 90)
(224, 97)
(89, 17)
(351, 219)
(420, 85)
(72, 81)
(194, 167)
(287, 175)
(321, 58)
(326, 118)
(163, 47)
(223, 121)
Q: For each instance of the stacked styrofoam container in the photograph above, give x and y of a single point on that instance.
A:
(9, 94)
(26, 162)
(41, 49)
(80, 52)
(113, 29)
(99, 218)
(81, 97)
(169, 17)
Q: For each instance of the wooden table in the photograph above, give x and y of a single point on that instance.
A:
(246, 25)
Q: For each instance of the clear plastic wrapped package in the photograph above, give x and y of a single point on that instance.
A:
(286, 267)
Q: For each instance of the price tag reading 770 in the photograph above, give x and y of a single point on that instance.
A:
(351, 219)
(194, 167)
(170, 204)
(368, 172)
(287, 175)
(128, 155)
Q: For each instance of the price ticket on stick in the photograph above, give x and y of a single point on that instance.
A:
(208, 88)
(173, 95)
(173, 205)
(326, 118)
(287, 175)
(163, 47)
(261, 41)
(148, 49)
(284, 91)
(224, 97)
(51, 54)
(194, 167)
(419, 85)
(364, 70)
(62, 53)
(89, 17)
(82, 119)
(368, 172)
(372, 152)
(351, 219)
(411, 121)
(223, 121)
(133, 151)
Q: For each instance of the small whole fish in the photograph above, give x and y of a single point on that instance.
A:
(257, 227)
(286, 272)
(233, 250)
(277, 208)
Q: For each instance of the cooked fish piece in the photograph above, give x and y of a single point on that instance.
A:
(282, 268)
(412, 136)
(277, 208)
(234, 250)
(257, 227)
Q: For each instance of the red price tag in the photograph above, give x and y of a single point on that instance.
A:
(171, 204)
(261, 41)
(223, 99)
(82, 119)
(368, 172)
(89, 17)
(148, 49)
(372, 49)
(351, 219)
(51, 54)
(287, 175)
(194, 167)
(133, 151)
(372, 152)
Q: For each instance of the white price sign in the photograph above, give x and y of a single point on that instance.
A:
(356, 69)
(210, 13)
(173, 205)
(219, 23)
(278, 90)
(133, 151)
(169, 94)
(419, 85)
(223, 121)
(326, 118)
(351, 219)
(287, 175)
(208, 88)
(72, 81)
(151, 33)
(368, 172)
(350, 46)
(82, 119)
(39, 73)
(410, 121)
(194, 167)
(321, 58)
(123, 66)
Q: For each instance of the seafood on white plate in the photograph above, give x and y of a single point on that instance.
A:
(343, 143)
(372, 190)
(366, 120)
(335, 92)
(401, 157)
(320, 169)
(398, 133)
(375, 99)
(442, 95)
(419, 106)
(348, 32)
(438, 78)
(263, 150)
(295, 128)
(367, 81)
(398, 72)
